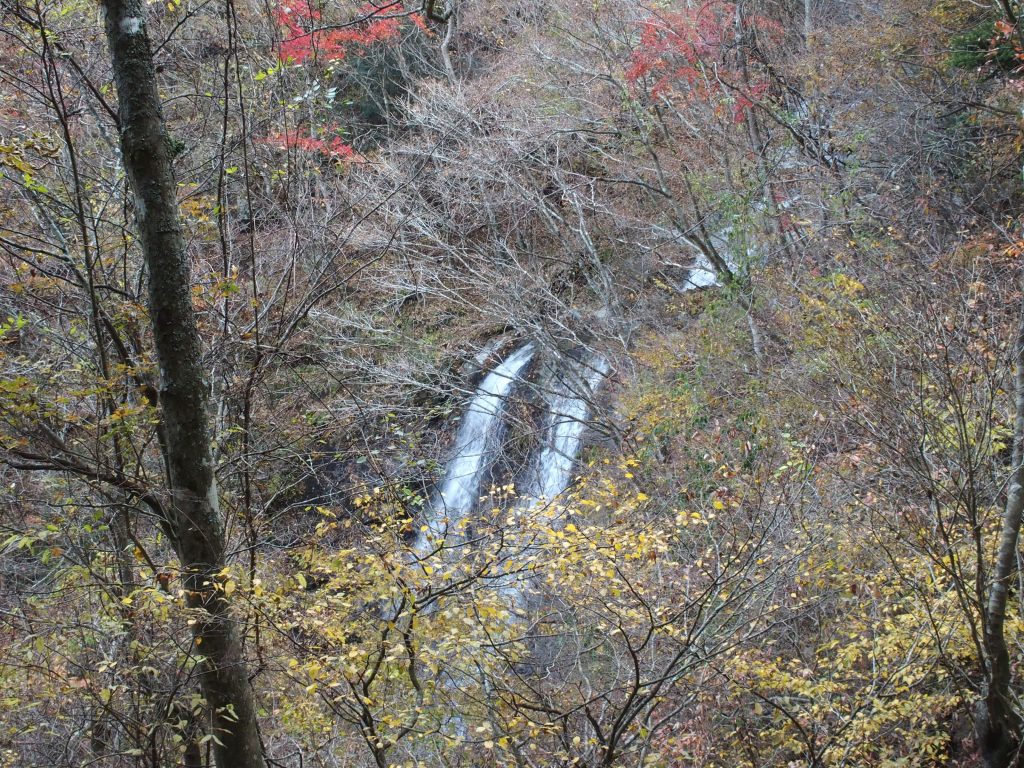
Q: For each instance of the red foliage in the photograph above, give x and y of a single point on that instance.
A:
(306, 39)
(677, 49)
(1004, 28)
(333, 147)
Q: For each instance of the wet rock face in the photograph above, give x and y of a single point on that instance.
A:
(334, 478)
(329, 482)
(523, 428)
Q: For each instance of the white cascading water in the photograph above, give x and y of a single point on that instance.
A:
(475, 447)
(702, 274)
(568, 409)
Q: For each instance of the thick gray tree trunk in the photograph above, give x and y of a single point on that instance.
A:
(998, 722)
(194, 517)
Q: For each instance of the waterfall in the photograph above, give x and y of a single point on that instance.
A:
(702, 274)
(475, 447)
(568, 409)
(477, 444)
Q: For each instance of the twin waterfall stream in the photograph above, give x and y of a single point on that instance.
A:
(567, 399)
(478, 445)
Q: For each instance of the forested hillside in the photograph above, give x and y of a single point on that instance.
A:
(536, 383)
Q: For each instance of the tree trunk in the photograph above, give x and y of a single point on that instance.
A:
(446, 44)
(998, 722)
(194, 517)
